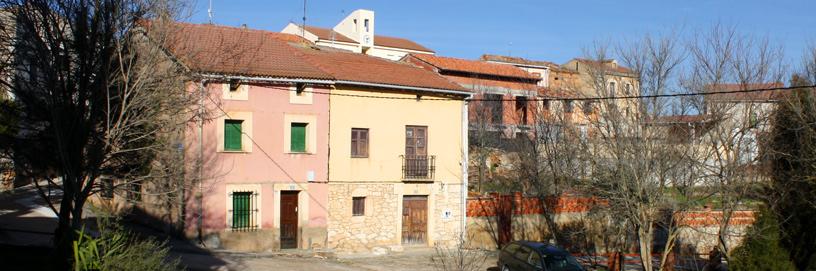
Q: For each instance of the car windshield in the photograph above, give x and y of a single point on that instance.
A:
(561, 262)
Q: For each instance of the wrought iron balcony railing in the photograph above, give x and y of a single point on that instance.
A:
(418, 167)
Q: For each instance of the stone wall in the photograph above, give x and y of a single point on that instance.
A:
(378, 227)
(381, 225)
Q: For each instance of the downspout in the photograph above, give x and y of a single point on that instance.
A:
(465, 164)
(200, 161)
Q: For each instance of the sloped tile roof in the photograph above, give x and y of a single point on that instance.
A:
(604, 63)
(518, 60)
(384, 41)
(394, 42)
(240, 51)
(363, 68)
(770, 95)
(328, 34)
(475, 66)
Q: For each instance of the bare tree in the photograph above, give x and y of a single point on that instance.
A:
(723, 60)
(92, 96)
(632, 166)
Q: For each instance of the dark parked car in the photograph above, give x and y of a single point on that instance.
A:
(527, 255)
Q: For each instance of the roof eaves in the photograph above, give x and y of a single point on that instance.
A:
(403, 87)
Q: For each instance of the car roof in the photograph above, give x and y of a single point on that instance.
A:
(543, 247)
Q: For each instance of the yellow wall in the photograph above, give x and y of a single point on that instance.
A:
(386, 121)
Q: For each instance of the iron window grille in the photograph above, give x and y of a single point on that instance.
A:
(418, 167)
(244, 212)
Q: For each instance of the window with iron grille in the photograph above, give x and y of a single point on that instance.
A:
(359, 142)
(358, 206)
(244, 211)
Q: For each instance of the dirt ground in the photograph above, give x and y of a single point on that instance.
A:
(415, 259)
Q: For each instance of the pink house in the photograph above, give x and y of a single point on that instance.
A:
(259, 159)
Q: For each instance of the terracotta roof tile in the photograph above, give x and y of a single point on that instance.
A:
(616, 68)
(328, 34)
(399, 43)
(238, 51)
(771, 95)
(519, 60)
(385, 41)
(363, 68)
(475, 66)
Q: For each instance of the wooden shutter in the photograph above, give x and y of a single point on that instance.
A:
(298, 137)
(358, 206)
(359, 142)
(232, 135)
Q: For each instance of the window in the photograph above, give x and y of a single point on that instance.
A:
(243, 210)
(495, 107)
(511, 248)
(612, 89)
(545, 105)
(358, 206)
(628, 89)
(135, 191)
(535, 260)
(298, 137)
(107, 188)
(232, 135)
(521, 109)
(359, 142)
(588, 107)
(568, 106)
(523, 253)
(753, 119)
(365, 24)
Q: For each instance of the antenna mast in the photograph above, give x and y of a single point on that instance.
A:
(303, 27)
(210, 13)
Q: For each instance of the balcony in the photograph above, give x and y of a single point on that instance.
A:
(418, 168)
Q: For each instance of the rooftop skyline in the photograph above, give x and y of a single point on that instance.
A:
(551, 31)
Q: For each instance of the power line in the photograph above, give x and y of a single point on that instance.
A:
(420, 98)
(299, 184)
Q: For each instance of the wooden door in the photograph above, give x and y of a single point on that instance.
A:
(414, 219)
(289, 219)
(416, 151)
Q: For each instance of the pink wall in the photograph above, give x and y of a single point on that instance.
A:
(268, 103)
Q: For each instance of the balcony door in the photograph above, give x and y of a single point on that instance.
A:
(416, 151)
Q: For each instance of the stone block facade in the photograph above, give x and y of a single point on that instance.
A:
(380, 226)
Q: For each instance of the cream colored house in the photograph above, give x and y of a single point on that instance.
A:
(397, 139)
(355, 33)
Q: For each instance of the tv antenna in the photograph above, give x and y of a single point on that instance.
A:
(303, 27)
(209, 12)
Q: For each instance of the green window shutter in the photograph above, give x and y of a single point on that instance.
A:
(240, 209)
(232, 135)
(298, 137)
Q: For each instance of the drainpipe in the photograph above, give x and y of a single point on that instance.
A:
(200, 162)
(465, 164)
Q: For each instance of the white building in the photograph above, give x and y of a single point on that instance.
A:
(356, 33)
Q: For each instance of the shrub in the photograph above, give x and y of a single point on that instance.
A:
(117, 249)
(761, 249)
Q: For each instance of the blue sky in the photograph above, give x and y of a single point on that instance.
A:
(543, 30)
